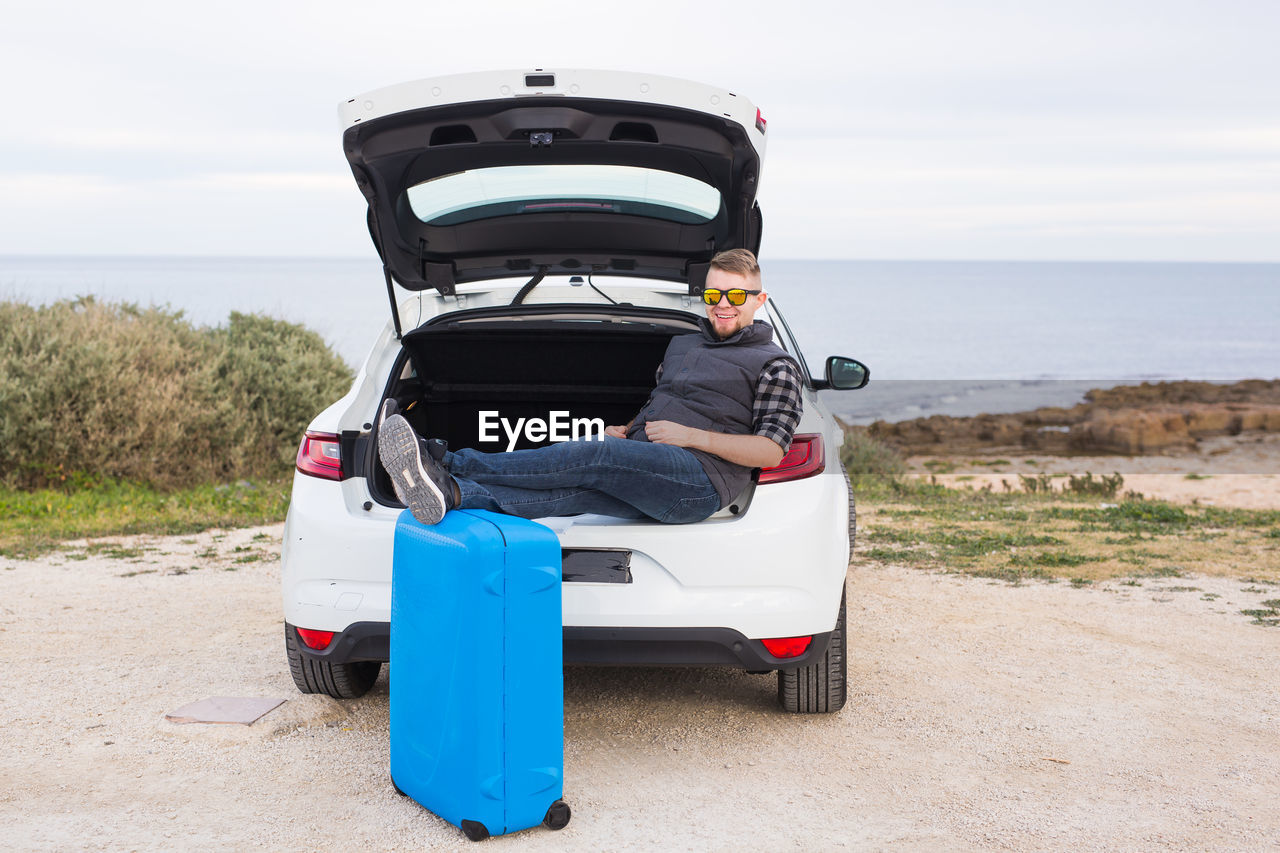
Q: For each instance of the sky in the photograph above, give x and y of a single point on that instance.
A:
(1082, 130)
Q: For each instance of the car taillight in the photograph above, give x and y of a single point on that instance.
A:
(320, 455)
(804, 459)
(318, 640)
(760, 122)
(787, 647)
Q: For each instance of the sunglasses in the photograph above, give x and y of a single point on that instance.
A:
(737, 296)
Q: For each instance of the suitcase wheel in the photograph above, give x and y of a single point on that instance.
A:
(474, 830)
(557, 816)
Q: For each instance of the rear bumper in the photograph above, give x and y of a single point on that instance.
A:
(679, 647)
(360, 641)
(776, 571)
(605, 646)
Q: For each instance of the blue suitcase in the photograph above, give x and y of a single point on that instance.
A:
(477, 690)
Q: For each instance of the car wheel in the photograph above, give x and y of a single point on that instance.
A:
(339, 680)
(853, 512)
(819, 687)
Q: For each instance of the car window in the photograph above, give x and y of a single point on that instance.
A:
(560, 188)
(788, 341)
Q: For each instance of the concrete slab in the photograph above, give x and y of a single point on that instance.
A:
(225, 710)
(300, 712)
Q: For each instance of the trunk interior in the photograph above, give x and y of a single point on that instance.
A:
(527, 367)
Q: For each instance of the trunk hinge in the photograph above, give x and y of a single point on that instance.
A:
(696, 274)
(391, 297)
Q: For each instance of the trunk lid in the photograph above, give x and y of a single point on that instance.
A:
(513, 173)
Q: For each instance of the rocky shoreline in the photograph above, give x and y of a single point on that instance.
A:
(1128, 420)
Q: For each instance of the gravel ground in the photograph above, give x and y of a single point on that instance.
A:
(981, 716)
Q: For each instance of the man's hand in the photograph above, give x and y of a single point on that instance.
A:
(616, 431)
(753, 451)
(669, 432)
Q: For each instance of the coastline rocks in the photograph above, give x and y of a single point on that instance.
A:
(1127, 420)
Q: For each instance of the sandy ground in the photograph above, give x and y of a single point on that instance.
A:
(981, 716)
(1241, 472)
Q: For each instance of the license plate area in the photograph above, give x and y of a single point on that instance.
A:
(595, 565)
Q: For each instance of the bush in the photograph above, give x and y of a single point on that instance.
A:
(870, 461)
(92, 391)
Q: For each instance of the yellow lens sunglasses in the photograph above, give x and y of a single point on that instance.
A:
(737, 296)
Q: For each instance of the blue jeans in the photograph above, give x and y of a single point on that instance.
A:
(618, 476)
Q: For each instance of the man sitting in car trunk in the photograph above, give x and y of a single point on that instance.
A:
(727, 401)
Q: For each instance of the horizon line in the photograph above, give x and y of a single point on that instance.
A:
(374, 260)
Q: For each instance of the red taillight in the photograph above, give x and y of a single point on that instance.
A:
(320, 455)
(760, 122)
(804, 459)
(787, 647)
(318, 640)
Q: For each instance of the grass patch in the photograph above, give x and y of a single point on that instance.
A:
(1270, 617)
(1012, 575)
(1062, 534)
(1161, 572)
(34, 523)
(1052, 559)
(138, 572)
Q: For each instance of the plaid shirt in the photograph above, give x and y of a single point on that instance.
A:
(776, 411)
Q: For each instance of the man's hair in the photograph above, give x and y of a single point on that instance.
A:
(738, 262)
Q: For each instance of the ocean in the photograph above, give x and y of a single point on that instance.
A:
(940, 337)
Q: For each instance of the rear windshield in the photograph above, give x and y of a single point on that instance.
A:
(510, 190)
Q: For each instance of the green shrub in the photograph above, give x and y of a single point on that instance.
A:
(278, 375)
(91, 392)
(870, 461)
(1103, 487)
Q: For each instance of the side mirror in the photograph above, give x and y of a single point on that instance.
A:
(846, 374)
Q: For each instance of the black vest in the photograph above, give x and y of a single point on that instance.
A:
(711, 384)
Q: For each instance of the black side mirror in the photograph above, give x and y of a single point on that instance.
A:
(846, 374)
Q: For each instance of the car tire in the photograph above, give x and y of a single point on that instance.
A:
(819, 687)
(853, 511)
(315, 675)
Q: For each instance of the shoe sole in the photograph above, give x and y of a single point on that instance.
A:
(384, 411)
(398, 448)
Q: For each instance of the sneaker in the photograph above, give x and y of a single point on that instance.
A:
(389, 407)
(420, 481)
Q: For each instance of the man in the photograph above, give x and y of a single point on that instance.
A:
(727, 401)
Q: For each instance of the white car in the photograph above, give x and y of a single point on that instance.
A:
(554, 230)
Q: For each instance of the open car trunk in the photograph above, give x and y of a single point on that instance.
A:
(461, 377)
